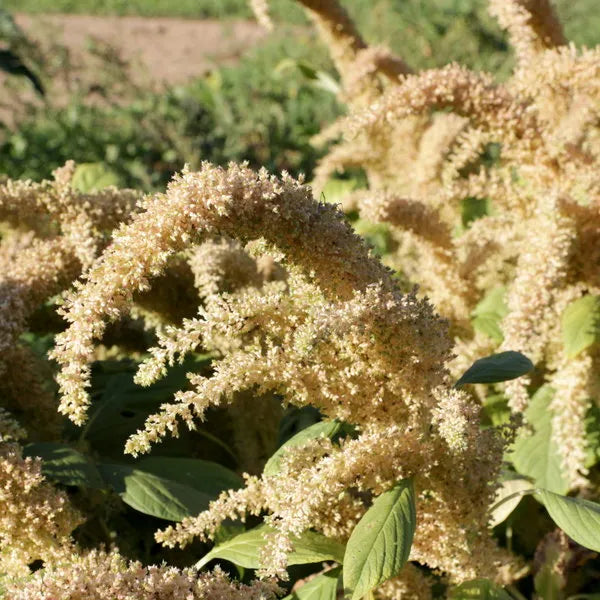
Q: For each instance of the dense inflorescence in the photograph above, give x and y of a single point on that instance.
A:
(326, 336)
(99, 575)
(36, 520)
(527, 150)
(296, 310)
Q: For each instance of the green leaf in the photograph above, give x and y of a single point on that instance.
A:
(493, 302)
(91, 177)
(65, 465)
(294, 420)
(120, 407)
(481, 589)
(507, 498)
(244, 549)
(228, 530)
(580, 324)
(157, 496)
(488, 324)
(380, 543)
(578, 518)
(536, 456)
(206, 476)
(321, 587)
(496, 367)
(488, 314)
(330, 429)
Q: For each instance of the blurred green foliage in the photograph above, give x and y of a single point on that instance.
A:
(145, 8)
(253, 111)
(264, 109)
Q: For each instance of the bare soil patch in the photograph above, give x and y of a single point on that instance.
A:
(169, 50)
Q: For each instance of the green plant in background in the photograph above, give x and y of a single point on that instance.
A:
(262, 110)
(253, 111)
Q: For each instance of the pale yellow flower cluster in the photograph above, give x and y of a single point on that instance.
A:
(361, 68)
(336, 333)
(575, 385)
(411, 584)
(27, 391)
(293, 304)
(99, 575)
(234, 201)
(529, 150)
(532, 25)
(222, 265)
(260, 8)
(36, 519)
(32, 271)
(50, 233)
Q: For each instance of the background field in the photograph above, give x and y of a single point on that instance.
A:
(253, 103)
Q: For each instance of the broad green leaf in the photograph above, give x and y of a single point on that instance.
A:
(488, 314)
(493, 302)
(480, 589)
(380, 543)
(580, 324)
(65, 465)
(91, 177)
(321, 587)
(120, 407)
(497, 367)
(507, 498)
(205, 476)
(153, 495)
(228, 530)
(536, 455)
(330, 429)
(578, 518)
(244, 549)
